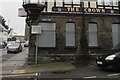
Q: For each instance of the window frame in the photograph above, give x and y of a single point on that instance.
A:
(47, 31)
(113, 38)
(73, 32)
(96, 32)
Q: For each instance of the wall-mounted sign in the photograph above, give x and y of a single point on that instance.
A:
(87, 10)
(21, 12)
(94, 10)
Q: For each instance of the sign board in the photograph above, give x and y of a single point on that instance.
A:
(36, 29)
(86, 10)
(21, 12)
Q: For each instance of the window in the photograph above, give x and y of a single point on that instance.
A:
(86, 4)
(72, 3)
(68, 1)
(76, 1)
(109, 2)
(50, 5)
(93, 4)
(70, 34)
(115, 2)
(59, 3)
(92, 32)
(47, 38)
(100, 2)
(116, 34)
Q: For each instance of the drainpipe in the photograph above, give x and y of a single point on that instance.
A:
(83, 40)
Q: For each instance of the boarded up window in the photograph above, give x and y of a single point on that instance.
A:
(93, 38)
(47, 38)
(116, 34)
(70, 34)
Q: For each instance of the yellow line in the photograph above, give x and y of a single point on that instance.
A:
(20, 75)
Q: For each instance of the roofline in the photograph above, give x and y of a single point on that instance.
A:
(3, 28)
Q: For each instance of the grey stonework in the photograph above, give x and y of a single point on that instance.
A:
(104, 25)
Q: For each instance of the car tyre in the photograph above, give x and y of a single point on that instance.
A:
(8, 52)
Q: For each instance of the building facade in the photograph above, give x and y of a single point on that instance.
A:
(3, 34)
(62, 26)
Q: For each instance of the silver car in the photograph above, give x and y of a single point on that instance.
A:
(15, 47)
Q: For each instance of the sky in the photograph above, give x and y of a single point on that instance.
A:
(9, 10)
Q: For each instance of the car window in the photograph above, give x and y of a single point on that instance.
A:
(14, 45)
(27, 42)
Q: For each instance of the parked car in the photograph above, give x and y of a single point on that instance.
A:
(15, 47)
(109, 60)
(10, 42)
(26, 44)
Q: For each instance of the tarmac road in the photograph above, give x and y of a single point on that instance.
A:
(11, 61)
(83, 71)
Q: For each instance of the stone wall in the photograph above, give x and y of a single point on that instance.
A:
(104, 23)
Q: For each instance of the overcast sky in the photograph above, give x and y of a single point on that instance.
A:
(9, 10)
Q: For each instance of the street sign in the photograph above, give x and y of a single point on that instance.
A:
(21, 12)
(36, 29)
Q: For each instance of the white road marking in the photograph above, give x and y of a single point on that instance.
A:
(36, 74)
(114, 74)
(90, 77)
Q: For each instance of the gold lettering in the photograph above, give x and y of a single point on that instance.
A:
(93, 10)
(89, 10)
(68, 9)
(72, 9)
(85, 9)
(77, 10)
(98, 10)
(103, 10)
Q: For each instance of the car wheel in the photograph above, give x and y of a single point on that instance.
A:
(116, 68)
(8, 52)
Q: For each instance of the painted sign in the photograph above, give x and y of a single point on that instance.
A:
(21, 12)
(94, 10)
(87, 10)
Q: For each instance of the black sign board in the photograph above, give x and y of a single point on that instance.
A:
(86, 10)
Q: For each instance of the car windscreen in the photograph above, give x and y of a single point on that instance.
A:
(14, 45)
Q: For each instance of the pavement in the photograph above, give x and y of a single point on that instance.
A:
(52, 67)
(35, 70)
(20, 67)
(48, 67)
(66, 70)
(12, 62)
(17, 65)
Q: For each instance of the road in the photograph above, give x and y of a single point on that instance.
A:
(11, 62)
(2, 51)
(84, 71)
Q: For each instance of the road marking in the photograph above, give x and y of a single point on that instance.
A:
(113, 74)
(90, 77)
(20, 75)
